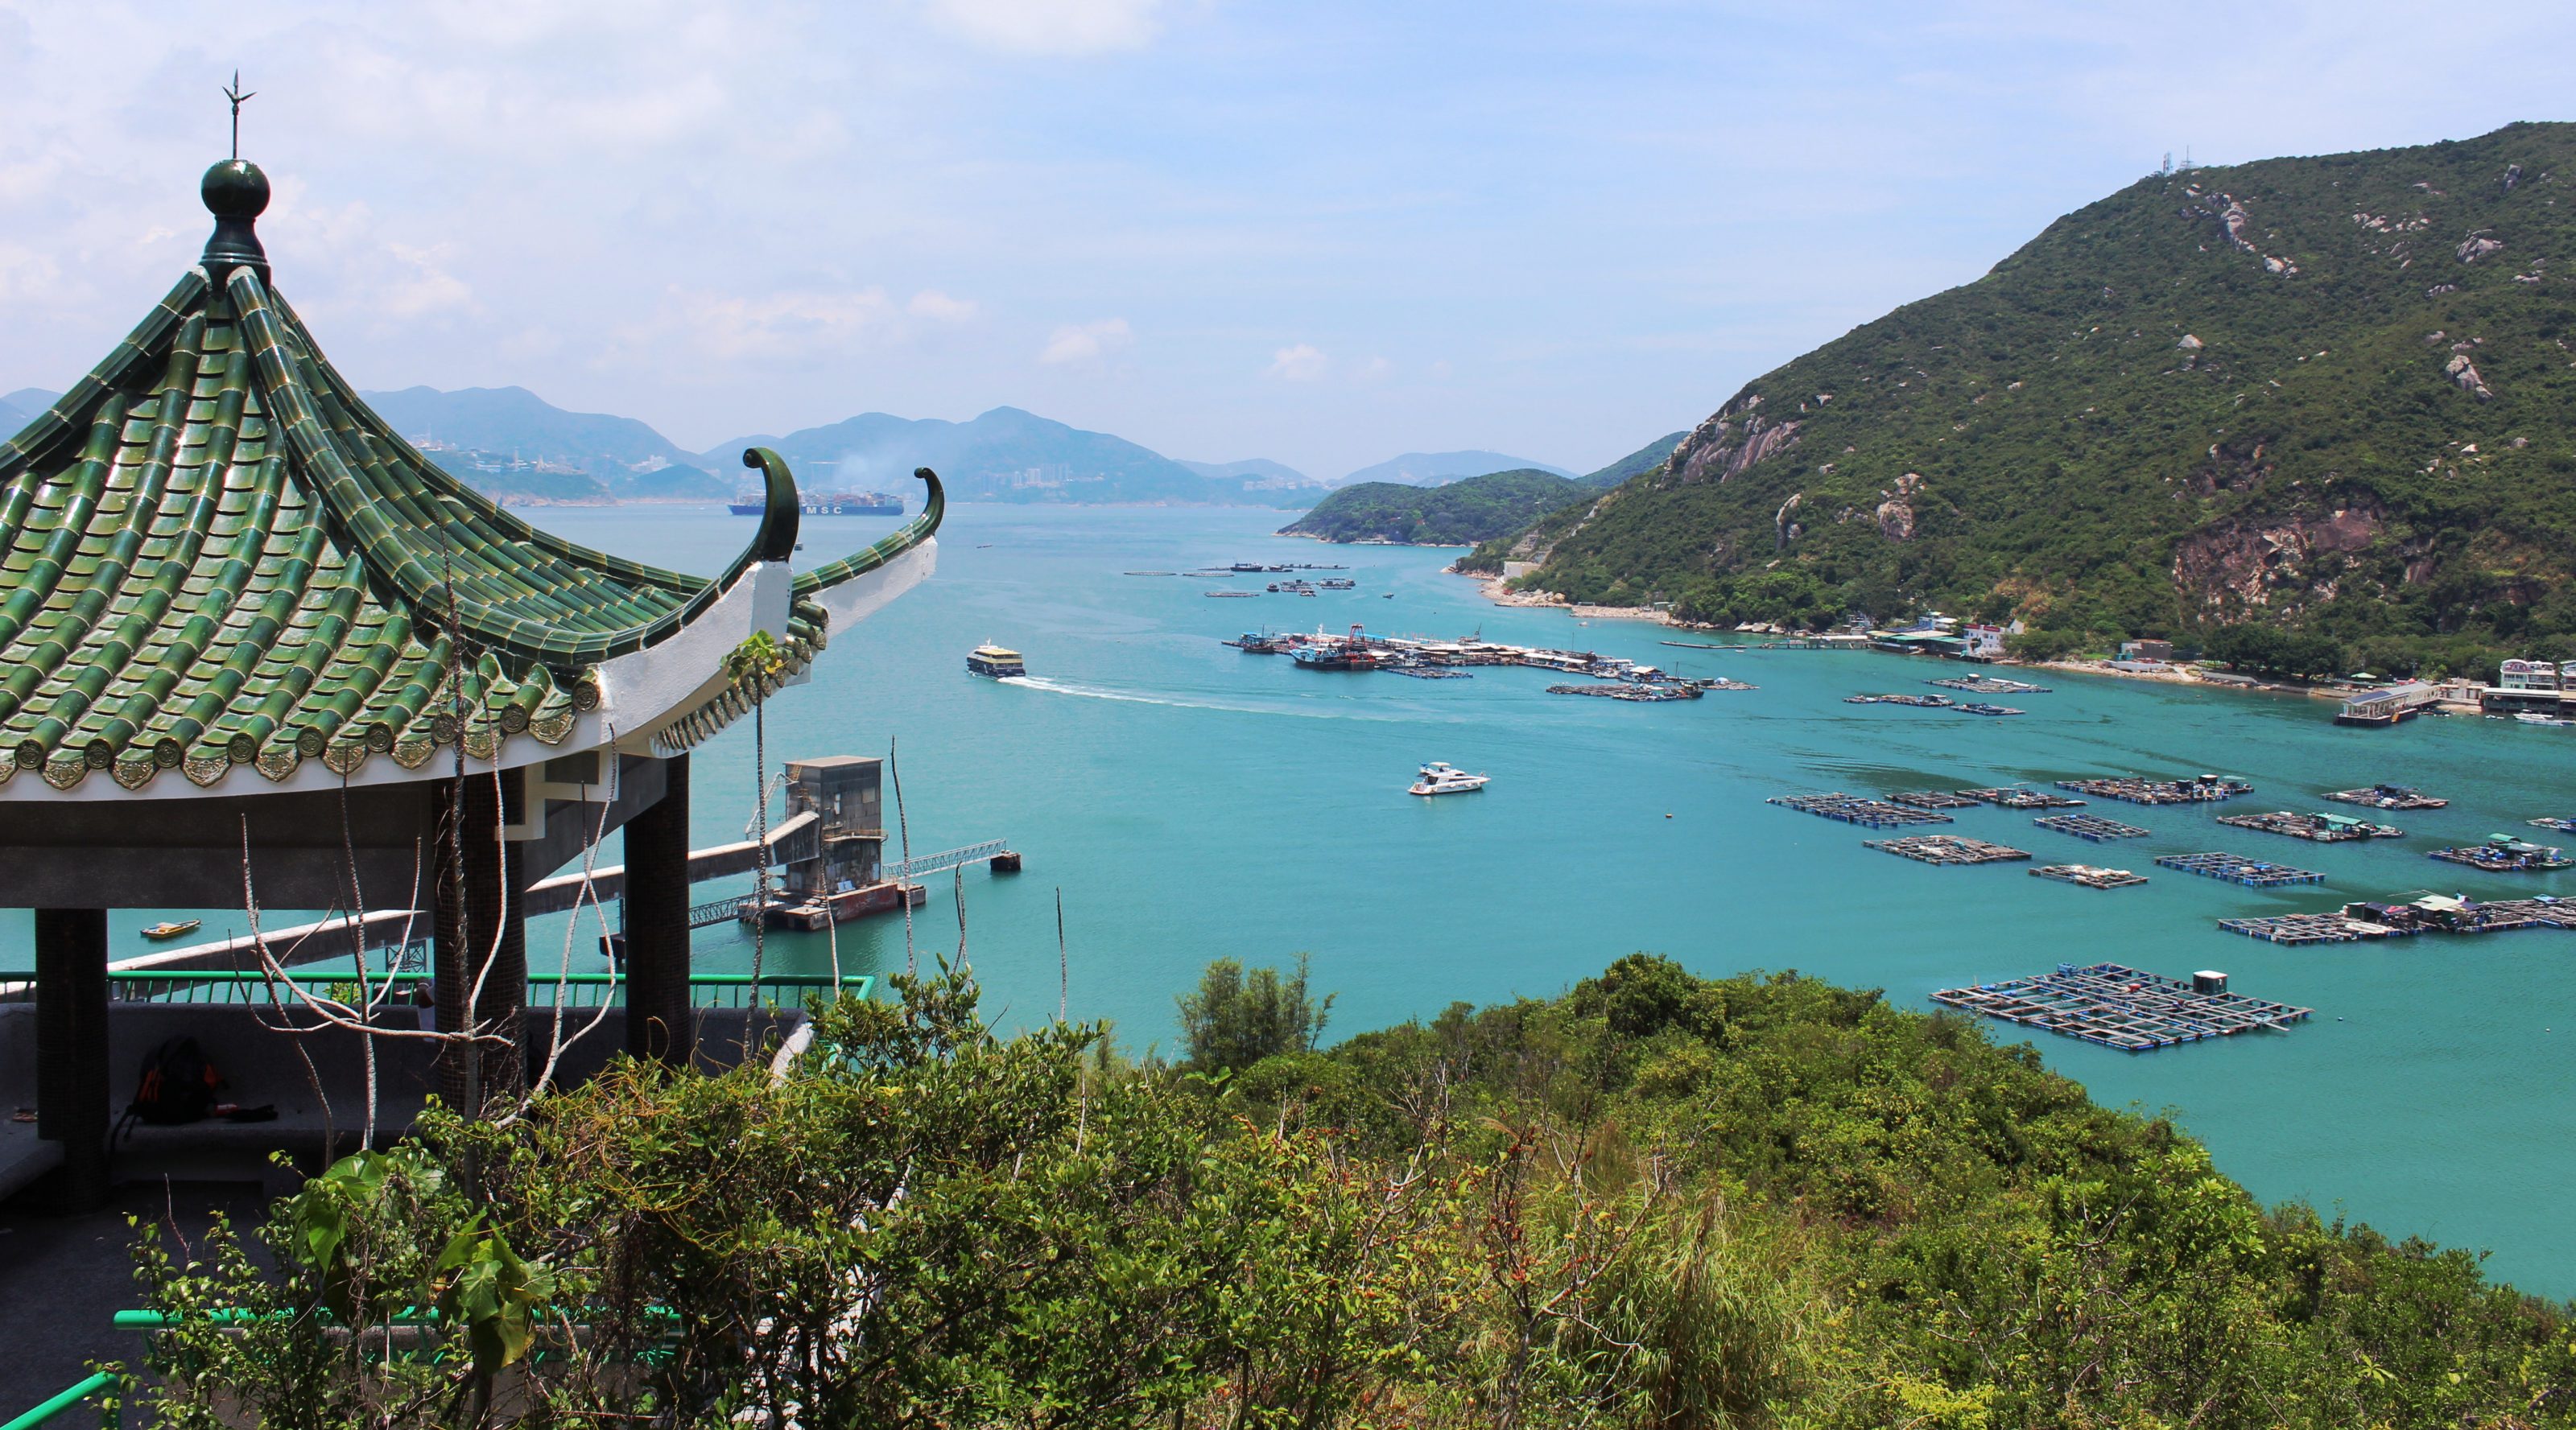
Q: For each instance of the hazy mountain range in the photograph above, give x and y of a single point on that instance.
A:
(1431, 469)
(514, 444)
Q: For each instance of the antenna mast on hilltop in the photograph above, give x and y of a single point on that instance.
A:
(234, 93)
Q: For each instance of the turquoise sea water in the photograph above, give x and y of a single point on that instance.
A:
(1193, 802)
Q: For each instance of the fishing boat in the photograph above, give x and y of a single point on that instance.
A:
(1441, 778)
(169, 929)
(991, 660)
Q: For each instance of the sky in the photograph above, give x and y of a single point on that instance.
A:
(1321, 232)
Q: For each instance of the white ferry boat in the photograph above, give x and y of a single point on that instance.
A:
(992, 660)
(1440, 778)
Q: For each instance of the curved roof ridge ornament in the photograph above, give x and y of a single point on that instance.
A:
(780, 507)
(934, 507)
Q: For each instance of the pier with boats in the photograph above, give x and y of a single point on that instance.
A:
(1360, 652)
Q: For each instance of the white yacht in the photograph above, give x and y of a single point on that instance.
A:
(1440, 778)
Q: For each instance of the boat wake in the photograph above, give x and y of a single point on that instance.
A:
(1094, 692)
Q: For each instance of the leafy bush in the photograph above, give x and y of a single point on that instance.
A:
(1660, 1200)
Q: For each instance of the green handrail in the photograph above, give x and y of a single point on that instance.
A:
(107, 1415)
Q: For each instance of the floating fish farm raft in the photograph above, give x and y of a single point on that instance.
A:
(2504, 855)
(1621, 690)
(1428, 672)
(2389, 797)
(2237, 869)
(1933, 799)
(2205, 789)
(2563, 826)
(2121, 1007)
(2317, 828)
(2088, 876)
(2314, 928)
(1946, 849)
(1979, 707)
(1920, 702)
(1988, 685)
(1858, 809)
(2093, 827)
(2018, 798)
(2433, 913)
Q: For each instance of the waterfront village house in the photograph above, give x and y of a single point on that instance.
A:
(2146, 650)
(243, 622)
(1983, 642)
(2536, 675)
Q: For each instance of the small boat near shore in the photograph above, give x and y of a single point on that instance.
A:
(170, 929)
(1439, 777)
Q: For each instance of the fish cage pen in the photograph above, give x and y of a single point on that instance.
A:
(2122, 1007)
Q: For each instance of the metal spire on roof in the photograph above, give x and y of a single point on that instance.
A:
(234, 93)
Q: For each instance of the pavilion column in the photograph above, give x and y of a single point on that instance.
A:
(71, 1050)
(657, 922)
(481, 934)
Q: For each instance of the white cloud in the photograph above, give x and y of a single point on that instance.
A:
(1053, 27)
(1089, 341)
(1302, 363)
(939, 307)
(774, 326)
(1376, 369)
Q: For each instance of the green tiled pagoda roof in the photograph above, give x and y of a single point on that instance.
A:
(213, 554)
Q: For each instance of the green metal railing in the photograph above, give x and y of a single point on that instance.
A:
(545, 990)
(108, 1415)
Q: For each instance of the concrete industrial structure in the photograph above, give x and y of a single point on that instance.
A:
(250, 636)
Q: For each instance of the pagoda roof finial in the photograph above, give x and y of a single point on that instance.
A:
(236, 94)
(236, 193)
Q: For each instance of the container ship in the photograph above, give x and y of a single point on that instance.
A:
(831, 504)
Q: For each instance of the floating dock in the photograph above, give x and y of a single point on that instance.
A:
(1946, 849)
(1920, 702)
(1979, 707)
(2020, 798)
(2092, 827)
(2121, 1007)
(2389, 797)
(2237, 869)
(1933, 799)
(1622, 690)
(2504, 854)
(2314, 928)
(2563, 826)
(2446, 913)
(1857, 809)
(2316, 828)
(1988, 685)
(2088, 876)
(2201, 789)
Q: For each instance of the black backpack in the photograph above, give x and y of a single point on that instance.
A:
(178, 1085)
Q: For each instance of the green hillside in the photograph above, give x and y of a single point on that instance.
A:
(1644, 459)
(2333, 393)
(1459, 514)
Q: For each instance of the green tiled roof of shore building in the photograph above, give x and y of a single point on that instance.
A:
(213, 554)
